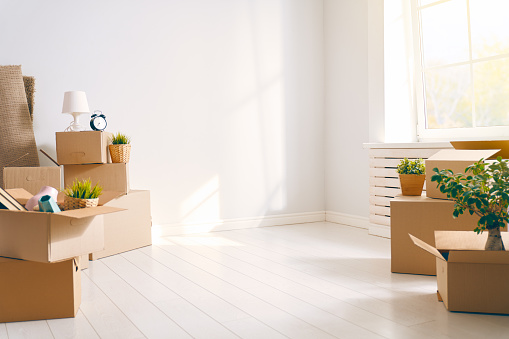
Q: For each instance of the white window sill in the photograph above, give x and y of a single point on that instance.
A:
(438, 144)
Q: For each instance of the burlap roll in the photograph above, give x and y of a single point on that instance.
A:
(17, 140)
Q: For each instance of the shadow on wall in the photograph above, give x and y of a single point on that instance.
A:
(251, 176)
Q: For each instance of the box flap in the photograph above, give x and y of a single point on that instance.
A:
(503, 145)
(480, 257)
(464, 155)
(108, 196)
(428, 248)
(460, 240)
(88, 212)
(464, 246)
(20, 194)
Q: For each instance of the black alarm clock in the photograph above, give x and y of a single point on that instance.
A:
(98, 121)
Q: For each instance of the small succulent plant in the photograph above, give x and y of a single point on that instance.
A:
(120, 139)
(82, 189)
(411, 166)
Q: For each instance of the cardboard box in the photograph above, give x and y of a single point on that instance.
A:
(32, 178)
(129, 229)
(36, 291)
(455, 160)
(421, 216)
(87, 147)
(112, 177)
(470, 279)
(502, 145)
(51, 237)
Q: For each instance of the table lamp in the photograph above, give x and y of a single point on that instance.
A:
(75, 103)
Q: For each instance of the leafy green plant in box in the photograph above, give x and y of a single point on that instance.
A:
(406, 166)
(120, 139)
(82, 189)
(484, 190)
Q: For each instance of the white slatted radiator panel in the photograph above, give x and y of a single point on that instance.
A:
(384, 183)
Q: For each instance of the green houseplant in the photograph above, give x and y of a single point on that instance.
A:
(81, 194)
(484, 190)
(411, 176)
(120, 148)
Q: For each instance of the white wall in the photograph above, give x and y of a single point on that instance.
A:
(400, 105)
(353, 31)
(223, 99)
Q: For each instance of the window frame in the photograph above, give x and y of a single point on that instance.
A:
(439, 134)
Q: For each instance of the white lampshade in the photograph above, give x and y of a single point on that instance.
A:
(75, 102)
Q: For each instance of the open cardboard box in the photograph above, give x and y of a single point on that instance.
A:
(85, 147)
(32, 178)
(455, 160)
(421, 216)
(470, 279)
(50, 237)
(36, 291)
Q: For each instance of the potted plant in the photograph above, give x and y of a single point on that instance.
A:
(484, 190)
(411, 176)
(120, 148)
(81, 194)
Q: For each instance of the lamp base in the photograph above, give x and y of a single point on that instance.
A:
(75, 125)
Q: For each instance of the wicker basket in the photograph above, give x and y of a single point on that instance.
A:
(120, 153)
(71, 203)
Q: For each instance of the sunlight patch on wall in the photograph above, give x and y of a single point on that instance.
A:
(203, 204)
(400, 118)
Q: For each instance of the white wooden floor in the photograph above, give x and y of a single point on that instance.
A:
(317, 280)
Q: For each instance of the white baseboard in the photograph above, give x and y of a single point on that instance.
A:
(233, 224)
(380, 230)
(347, 219)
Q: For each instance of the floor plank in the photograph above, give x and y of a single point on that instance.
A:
(3, 331)
(209, 303)
(29, 330)
(422, 300)
(143, 314)
(261, 309)
(104, 316)
(290, 281)
(214, 306)
(321, 319)
(77, 327)
(175, 307)
(334, 280)
(315, 280)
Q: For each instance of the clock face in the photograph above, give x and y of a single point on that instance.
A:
(98, 123)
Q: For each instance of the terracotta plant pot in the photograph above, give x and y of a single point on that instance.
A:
(120, 153)
(412, 184)
(71, 203)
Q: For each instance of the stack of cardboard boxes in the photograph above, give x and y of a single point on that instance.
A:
(40, 259)
(455, 248)
(42, 254)
(84, 155)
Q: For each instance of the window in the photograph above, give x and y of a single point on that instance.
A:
(462, 71)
